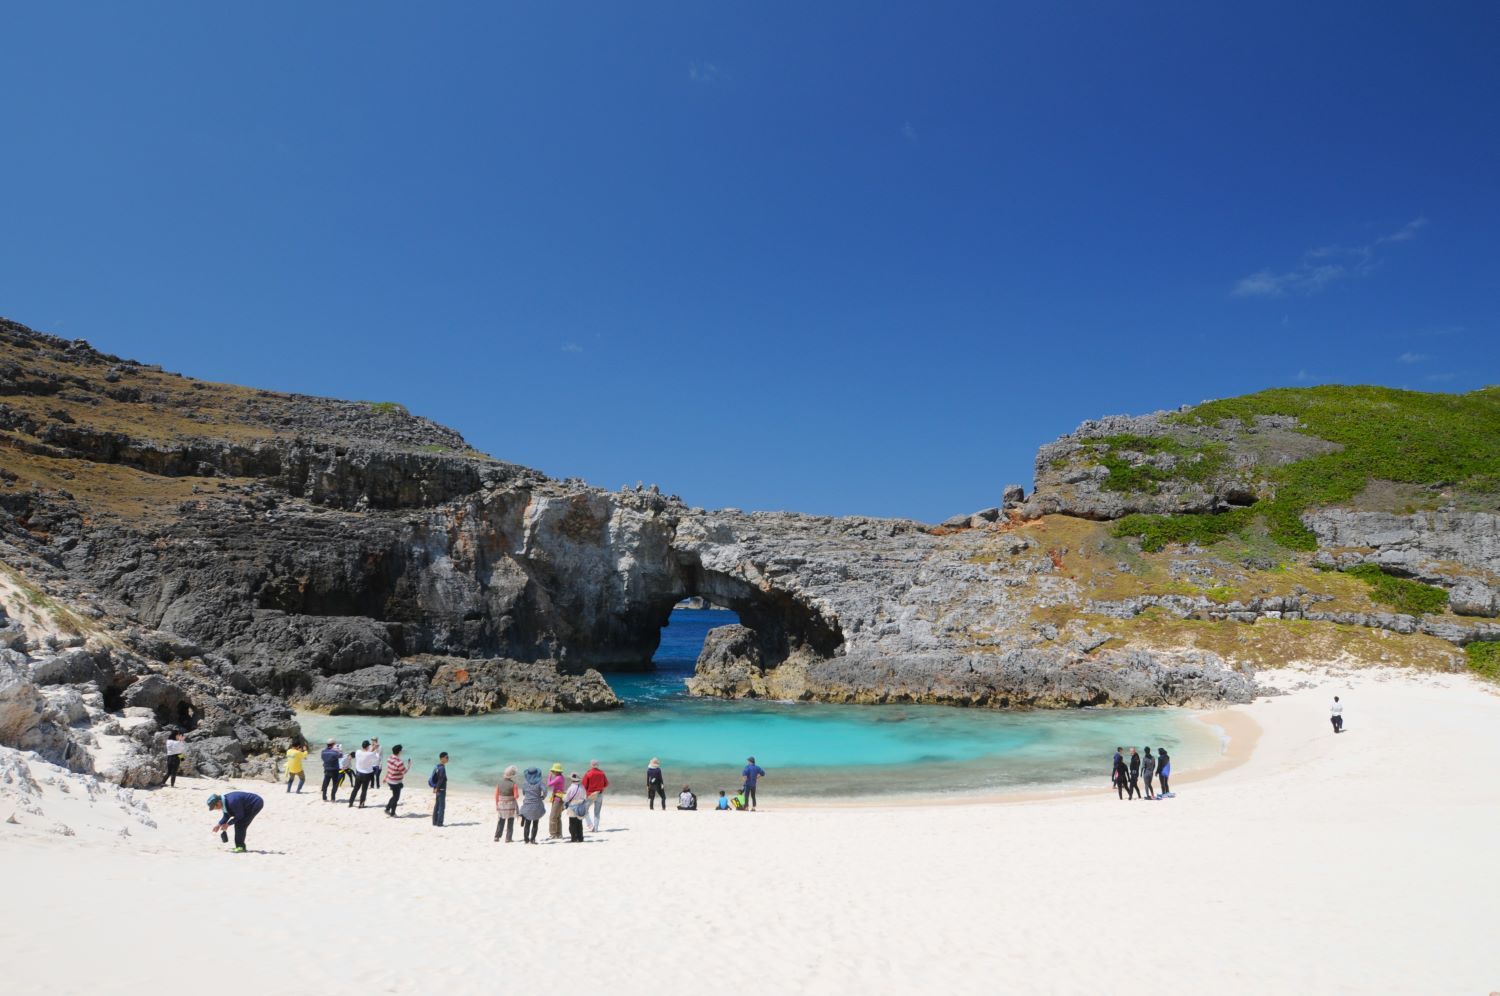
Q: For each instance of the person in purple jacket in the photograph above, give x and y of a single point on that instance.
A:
(752, 773)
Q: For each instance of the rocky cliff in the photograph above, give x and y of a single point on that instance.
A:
(178, 553)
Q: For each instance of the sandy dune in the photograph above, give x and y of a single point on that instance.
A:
(1359, 863)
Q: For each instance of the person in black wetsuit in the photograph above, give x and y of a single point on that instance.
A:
(1163, 771)
(1148, 769)
(655, 786)
(1135, 774)
(1121, 775)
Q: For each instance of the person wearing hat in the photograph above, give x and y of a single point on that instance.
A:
(556, 783)
(507, 794)
(240, 809)
(594, 783)
(655, 786)
(331, 755)
(752, 773)
(577, 802)
(533, 804)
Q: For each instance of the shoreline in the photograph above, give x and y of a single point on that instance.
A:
(1294, 835)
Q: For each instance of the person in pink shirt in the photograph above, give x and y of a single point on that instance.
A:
(556, 787)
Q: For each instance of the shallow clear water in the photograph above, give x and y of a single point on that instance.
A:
(807, 749)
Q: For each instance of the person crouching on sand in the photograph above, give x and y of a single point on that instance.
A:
(556, 786)
(533, 804)
(240, 809)
(506, 795)
(576, 801)
(686, 799)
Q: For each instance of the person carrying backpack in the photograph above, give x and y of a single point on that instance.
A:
(576, 802)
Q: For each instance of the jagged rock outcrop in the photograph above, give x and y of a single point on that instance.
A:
(198, 556)
(426, 686)
(1073, 473)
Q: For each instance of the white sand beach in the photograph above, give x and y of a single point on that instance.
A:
(1306, 862)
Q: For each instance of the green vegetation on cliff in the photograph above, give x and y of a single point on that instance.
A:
(1484, 658)
(1411, 597)
(1443, 441)
(1188, 463)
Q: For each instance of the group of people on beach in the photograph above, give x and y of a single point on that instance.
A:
(529, 796)
(1127, 774)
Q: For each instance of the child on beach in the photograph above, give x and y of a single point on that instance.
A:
(722, 805)
(738, 802)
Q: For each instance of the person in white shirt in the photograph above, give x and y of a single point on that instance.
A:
(376, 770)
(364, 772)
(1336, 715)
(176, 750)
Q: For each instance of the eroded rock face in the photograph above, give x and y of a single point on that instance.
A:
(428, 686)
(730, 665)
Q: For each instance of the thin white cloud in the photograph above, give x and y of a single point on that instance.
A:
(704, 72)
(1322, 266)
(571, 347)
(1304, 376)
(1413, 358)
(908, 132)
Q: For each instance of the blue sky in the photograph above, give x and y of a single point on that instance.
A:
(837, 257)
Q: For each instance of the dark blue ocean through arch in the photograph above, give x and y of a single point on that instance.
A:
(809, 749)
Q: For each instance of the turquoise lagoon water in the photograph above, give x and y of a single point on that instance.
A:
(807, 749)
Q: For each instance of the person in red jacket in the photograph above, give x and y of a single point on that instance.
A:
(594, 783)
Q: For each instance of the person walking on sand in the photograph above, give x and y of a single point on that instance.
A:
(576, 800)
(1148, 770)
(240, 809)
(364, 766)
(176, 749)
(533, 804)
(507, 794)
(1336, 715)
(753, 772)
(395, 778)
(556, 786)
(594, 783)
(331, 756)
(1163, 772)
(1135, 774)
(655, 786)
(295, 755)
(438, 782)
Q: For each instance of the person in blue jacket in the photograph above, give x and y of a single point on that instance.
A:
(331, 756)
(752, 773)
(240, 809)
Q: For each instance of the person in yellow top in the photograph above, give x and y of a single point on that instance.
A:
(295, 755)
